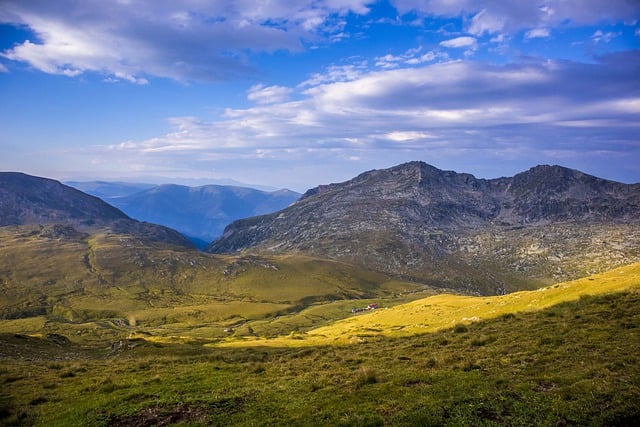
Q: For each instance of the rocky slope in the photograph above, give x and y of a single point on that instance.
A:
(488, 236)
(28, 200)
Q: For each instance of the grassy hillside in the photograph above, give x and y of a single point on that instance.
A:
(106, 331)
(445, 310)
(574, 363)
(85, 285)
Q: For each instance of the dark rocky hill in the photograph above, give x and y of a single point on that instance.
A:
(452, 229)
(27, 200)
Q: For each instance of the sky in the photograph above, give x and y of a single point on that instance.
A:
(295, 93)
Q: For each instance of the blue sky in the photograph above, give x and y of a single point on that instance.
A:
(293, 93)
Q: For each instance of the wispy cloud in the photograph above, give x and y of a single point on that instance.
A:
(527, 107)
(537, 33)
(464, 41)
(512, 16)
(182, 40)
(411, 57)
(601, 37)
(262, 94)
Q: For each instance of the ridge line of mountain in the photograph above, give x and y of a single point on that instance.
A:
(28, 200)
(416, 221)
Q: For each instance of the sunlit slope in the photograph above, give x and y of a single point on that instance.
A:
(445, 311)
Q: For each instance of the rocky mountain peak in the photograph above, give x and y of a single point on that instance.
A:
(411, 219)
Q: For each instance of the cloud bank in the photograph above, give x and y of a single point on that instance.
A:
(211, 40)
(205, 40)
(451, 91)
(548, 109)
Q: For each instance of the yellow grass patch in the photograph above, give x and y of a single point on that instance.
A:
(444, 311)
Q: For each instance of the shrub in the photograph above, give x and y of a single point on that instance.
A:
(67, 374)
(365, 376)
(460, 328)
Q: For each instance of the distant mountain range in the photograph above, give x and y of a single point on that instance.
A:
(200, 213)
(108, 190)
(30, 200)
(547, 224)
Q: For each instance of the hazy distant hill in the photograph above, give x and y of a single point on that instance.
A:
(546, 224)
(201, 213)
(29, 200)
(107, 190)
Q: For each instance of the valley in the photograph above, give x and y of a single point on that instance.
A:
(199, 213)
(572, 362)
(406, 296)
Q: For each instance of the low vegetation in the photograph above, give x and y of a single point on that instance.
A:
(540, 360)
(76, 283)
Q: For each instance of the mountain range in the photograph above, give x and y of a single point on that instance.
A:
(68, 255)
(200, 213)
(451, 229)
(412, 222)
(109, 190)
(30, 200)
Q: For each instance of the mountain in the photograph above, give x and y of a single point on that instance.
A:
(107, 190)
(30, 200)
(201, 213)
(451, 229)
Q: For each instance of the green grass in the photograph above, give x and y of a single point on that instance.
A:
(574, 363)
(76, 287)
(566, 354)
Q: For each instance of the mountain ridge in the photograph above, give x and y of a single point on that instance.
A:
(417, 221)
(29, 200)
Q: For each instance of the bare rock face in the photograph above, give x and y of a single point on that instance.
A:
(455, 230)
(27, 200)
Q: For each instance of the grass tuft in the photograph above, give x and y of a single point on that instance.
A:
(364, 376)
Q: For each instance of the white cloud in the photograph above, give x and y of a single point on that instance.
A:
(458, 105)
(427, 57)
(459, 42)
(410, 57)
(537, 33)
(485, 22)
(182, 40)
(489, 16)
(336, 73)
(388, 61)
(601, 37)
(403, 136)
(268, 94)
